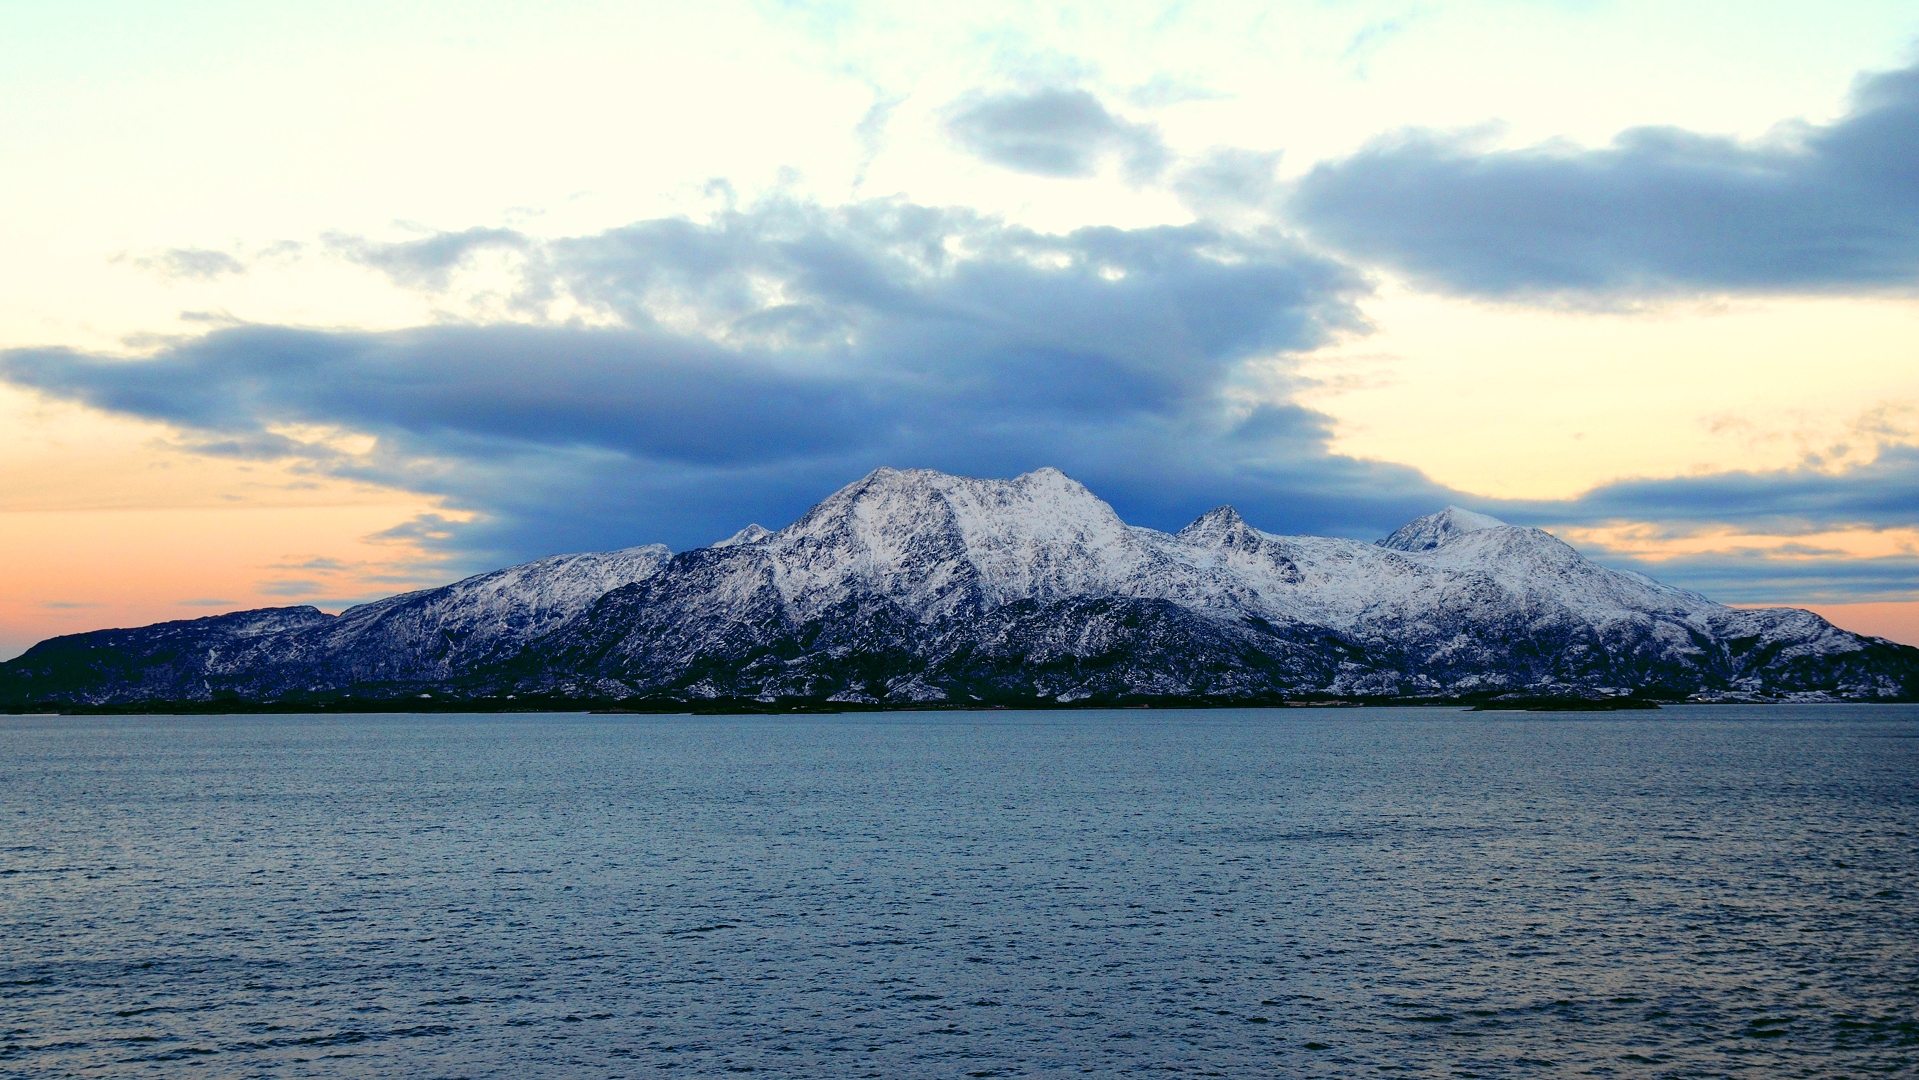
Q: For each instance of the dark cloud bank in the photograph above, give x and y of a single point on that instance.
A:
(1661, 211)
(741, 368)
(767, 357)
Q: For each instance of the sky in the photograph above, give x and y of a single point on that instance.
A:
(310, 304)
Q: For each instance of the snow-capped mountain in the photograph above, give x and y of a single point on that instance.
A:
(405, 643)
(916, 586)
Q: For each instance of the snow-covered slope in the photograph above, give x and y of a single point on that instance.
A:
(401, 643)
(1434, 530)
(914, 586)
(441, 633)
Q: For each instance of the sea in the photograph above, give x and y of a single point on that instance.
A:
(1699, 891)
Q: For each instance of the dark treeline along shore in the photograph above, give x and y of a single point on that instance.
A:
(915, 589)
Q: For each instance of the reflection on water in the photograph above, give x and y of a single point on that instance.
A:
(1700, 891)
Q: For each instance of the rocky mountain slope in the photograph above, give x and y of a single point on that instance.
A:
(919, 587)
(402, 645)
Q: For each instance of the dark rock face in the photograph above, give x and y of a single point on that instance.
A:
(170, 661)
(917, 587)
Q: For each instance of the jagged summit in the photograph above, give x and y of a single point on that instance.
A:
(1214, 523)
(1436, 530)
(936, 543)
(917, 586)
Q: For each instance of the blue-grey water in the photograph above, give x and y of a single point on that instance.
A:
(1710, 891)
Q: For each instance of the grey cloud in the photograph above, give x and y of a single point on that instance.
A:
(1228, 180)
(1661, 210)
(1785, 577)
(193, 264)
(1163, 90)
(1788, 502)
(870, 132)
(429, 261)
(473, 390)
(1882, 494)
(1055, 132)
(769, 355)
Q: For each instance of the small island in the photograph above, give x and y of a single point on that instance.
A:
(918, 589)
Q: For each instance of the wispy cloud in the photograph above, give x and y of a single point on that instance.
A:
(191, 264)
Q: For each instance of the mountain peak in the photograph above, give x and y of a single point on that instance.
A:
(941, 538)
(914, 586)
(1214, 523)
(1436, 530)
(997, 521)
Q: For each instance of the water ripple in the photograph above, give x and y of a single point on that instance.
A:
(1703, 892)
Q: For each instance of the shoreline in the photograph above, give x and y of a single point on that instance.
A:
(752, 707)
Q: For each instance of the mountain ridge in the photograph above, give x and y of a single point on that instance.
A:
(914, 587)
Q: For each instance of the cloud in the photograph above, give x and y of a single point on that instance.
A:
(1765, 577)
(870, 132)
(482, 389)
(192, 264)
(319, 563)
(744, 366)
(1660, 211)
(672, 380)
(1371, 39)
(427, 262)
(1163, 90)
(1227, 181)
(1882, 493)
(1055, 132)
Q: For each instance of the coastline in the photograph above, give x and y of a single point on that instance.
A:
(754, 707)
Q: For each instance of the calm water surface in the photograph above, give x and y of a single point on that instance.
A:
(1695, 892)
